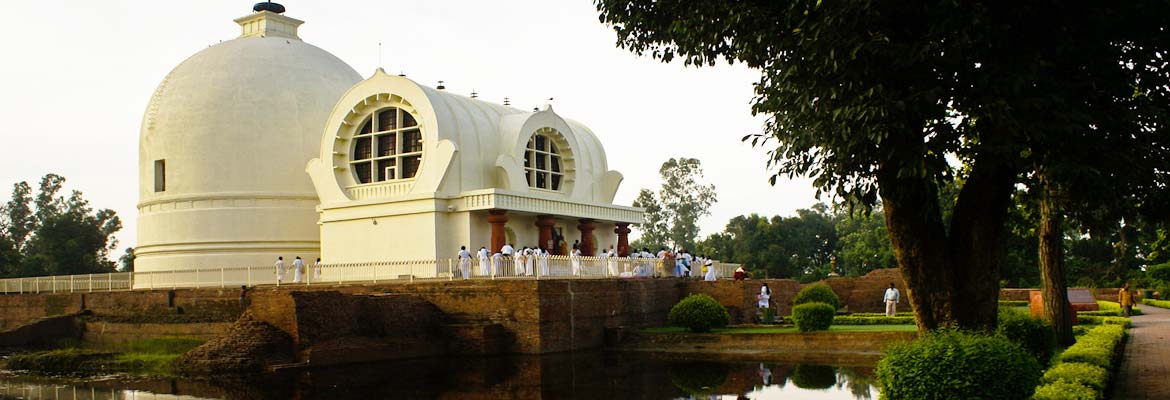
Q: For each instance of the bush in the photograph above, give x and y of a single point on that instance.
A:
(1035, 335)
(1097, 347)
(818, 293)
(810, 317)
(1065, 390)
(951, 364)
(875, 320)
(699, 313)
(1095, 320)
(1082, 373)
(1013, 303)
(1156, 303)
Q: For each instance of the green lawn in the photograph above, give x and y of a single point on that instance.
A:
(790, 329)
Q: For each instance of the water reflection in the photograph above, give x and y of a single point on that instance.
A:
(590, 375)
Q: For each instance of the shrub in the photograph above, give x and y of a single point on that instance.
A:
(1096, 320)
(1098, 347)
(1065, 390)
(1082, 373)
(810, 317)
(875, 320)
(1156, 303)
(1013, 303)
(818, 293)
(1035, 335)
(699, 313)
(951, 364)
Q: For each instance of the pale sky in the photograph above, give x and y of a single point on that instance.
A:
(76, 77)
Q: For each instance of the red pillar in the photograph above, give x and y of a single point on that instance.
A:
(586, 227)
(545, 223)
(497, 218)
(623, 244)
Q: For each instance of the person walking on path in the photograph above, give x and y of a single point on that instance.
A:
(1125, 297)
(279, 270)
(298, 269)
(891, 297)
(464, 262)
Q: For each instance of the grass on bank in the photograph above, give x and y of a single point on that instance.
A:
(790, 329)
(154, 357)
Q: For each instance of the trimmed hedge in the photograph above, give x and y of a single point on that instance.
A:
(1110, 309)
(815, 316)
(1097, 347)
(1065, 390)
(1096, 320)
(1086, 374)
(818, 293)
(1013, 303)
(1156, 303)
(1084, 369)
(699, 313)
(864, 320)
(950, 364)
(1034, 334)
(878, 314)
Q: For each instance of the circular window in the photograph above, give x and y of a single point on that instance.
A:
(386, 147)
(543, 162)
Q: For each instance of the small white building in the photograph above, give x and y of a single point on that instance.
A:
(395, 170)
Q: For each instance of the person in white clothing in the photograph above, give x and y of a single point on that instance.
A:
(317, 269)
(765, 296)
(530, 260)
(464, 262)
(891, 298)
(611, 261)
(575, 260)
(298, 269)
(518, 263)
(485, 269)
(497, 262)
(507, 250)
(710, 275)
(279, 270)
(543, 261)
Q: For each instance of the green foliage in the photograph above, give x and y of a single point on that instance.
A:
(819, 293)
(54, 235)
(654, 228)
(1034, 334)
(699, 313)
(863, 244)
(1156, 303)
(780, 247)
(126, 261)
(1013, 303)
(1160, 272)
(1065, 390)
(1109, 309)
(854, 319)
(814, 316)
(672, 216)
(698, 378)
(815, 377)
(1095, 320)
(1086, 374)
(950, 364)
(1099, 346)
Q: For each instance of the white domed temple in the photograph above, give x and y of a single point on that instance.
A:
(266, 146)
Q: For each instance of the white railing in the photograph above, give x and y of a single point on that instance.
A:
(551, 267)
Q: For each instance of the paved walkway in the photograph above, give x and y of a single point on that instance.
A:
(1145, 367)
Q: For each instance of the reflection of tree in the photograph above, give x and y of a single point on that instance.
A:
(856, 381)
(698, 378)
(814, 376)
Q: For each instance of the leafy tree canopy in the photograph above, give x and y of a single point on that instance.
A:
(52, 234)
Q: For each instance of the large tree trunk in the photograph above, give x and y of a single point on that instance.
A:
(952, 277)
(1052, 277)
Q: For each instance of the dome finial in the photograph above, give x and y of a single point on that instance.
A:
(268, 6)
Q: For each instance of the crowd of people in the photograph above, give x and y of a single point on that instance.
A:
(298, 269)
(534, 261)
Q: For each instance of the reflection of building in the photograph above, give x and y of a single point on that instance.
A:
(400, 170)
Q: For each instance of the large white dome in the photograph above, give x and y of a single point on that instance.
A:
(223, 148)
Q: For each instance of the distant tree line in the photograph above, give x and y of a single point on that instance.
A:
(49, 233)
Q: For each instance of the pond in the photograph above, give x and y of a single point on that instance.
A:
(589, 375)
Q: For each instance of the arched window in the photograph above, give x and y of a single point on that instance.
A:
(543, 165)
(387, 147)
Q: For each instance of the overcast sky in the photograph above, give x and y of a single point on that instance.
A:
(76, 76)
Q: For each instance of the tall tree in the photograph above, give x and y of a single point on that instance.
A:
(869, 98)
(62, 235)
(684, 199)
(863, 244)
(654, 228)
(16, 216)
